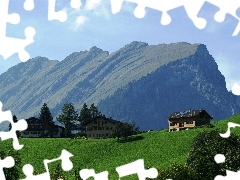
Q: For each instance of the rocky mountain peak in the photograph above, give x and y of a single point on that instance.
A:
(140, 82)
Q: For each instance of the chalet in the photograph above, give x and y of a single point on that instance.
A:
(188, 119)
(100, 127)
(37, 128)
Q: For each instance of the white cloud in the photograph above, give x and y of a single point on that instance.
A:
(80, 20)
(92, 11)
(92, 4)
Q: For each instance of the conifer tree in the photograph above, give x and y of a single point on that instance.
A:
(84, 115)
(87, 114)
(45, 115)
(68, 117)
(94, 111)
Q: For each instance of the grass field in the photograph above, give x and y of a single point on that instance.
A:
(158, 149)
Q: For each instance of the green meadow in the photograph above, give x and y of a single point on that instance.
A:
(159, 149)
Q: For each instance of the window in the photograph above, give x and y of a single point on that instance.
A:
(106, 134)
(181, 124)
(105, 122)
(172, 123)
(102, 128)
(107, 128)
(99, 128)
(95, 127)
(189, 122)
(89, 135)
(95, 122)
(93, 135)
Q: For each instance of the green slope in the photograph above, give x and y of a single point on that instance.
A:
(158, 149)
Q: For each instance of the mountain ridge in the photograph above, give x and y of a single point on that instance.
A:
(136, 72)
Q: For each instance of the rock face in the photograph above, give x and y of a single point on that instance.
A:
(138, 82)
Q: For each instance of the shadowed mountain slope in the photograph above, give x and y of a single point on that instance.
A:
(138, 82)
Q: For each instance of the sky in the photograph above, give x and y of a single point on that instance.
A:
(94, 24)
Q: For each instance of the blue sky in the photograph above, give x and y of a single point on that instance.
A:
(93, 24)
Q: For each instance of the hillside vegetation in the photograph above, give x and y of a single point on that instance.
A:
(159, 149)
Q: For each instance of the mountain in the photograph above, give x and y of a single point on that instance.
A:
(139, 82)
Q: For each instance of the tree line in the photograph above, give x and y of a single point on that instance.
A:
(69, 117)
(74, 120)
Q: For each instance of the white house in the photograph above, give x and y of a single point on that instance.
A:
(37, 128)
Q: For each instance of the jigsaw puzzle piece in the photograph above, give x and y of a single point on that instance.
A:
(28, 171)
(53, 15)
(75, 4)
(6, 18)
(66, 166)
(116, 6)
(29, 5)
(18, 126)
(87, 173)
(192, 9)
(227, 7)
(140, 12)
(230, 125)
(65, 158)
(10, 45)
(229, 175)
(137, 167)
(164, 7)
(8, 162)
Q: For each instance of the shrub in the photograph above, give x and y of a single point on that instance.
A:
(12, 173)
(58, 173)
(177, 172)
(205, 146)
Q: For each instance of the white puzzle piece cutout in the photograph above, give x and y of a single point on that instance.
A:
(66, 166)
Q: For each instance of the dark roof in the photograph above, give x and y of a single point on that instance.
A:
(35, 124)
(103, 117)
(189, 113)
